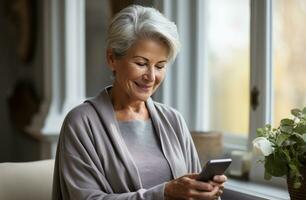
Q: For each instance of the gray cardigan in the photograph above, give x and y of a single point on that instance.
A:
(92, 160)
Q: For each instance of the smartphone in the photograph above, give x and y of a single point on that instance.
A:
(214, 167)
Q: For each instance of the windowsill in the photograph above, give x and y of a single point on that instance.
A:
(256, 190)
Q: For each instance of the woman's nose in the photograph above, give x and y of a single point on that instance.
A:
(150, 73)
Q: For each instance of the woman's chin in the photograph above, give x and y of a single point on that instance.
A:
(142, 96)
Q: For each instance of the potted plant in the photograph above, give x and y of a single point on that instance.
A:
(284, 151)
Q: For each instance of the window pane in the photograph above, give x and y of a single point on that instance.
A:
(289, 60)
(228, 31)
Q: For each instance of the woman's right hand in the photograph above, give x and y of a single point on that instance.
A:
(189, 188)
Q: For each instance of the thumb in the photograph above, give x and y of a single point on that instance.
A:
(192, 176)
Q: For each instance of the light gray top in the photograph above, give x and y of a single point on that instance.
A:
(139, 136)
(93, 162)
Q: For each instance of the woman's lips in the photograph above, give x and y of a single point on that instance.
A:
(144, 87)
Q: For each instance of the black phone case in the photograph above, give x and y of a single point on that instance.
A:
(214, 167)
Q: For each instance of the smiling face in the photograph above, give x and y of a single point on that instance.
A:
(140, 72)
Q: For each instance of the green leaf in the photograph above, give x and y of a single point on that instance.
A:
(301, 148)
(281, 138)
(287, 122)
(297, 137)
(286, 129)
(297, 185)
(276, 166)
(301, 128)
(293, 168)
(287, 154)
(296, 112)
(268, 127)
(304, 111)
(304, 137)
(260, 132)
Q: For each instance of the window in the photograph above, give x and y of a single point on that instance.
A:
(228, 46)
(289, 60)
(235, 40)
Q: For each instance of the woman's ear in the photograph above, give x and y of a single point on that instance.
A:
(110, 59)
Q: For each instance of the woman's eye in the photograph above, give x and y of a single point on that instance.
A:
(141, 64)
(160, 66)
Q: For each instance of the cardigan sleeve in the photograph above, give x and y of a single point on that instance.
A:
(78, 170)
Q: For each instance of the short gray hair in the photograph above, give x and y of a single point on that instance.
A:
(137, 22)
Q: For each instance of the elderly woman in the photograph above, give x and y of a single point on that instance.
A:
(121, 144)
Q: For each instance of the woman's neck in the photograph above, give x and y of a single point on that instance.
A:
(125, 108)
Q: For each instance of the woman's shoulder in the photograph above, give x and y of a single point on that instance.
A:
(89, 107)
(80, 112)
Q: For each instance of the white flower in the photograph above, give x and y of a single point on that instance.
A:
(262, 146)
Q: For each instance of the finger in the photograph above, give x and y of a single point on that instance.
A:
(214, 194)
(214, 184)
(205, 195)
(220, 178)
(196, 185)
(192, 176)
(220, 192)
(221, 186)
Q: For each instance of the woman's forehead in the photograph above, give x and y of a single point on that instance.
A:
(149, 48)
